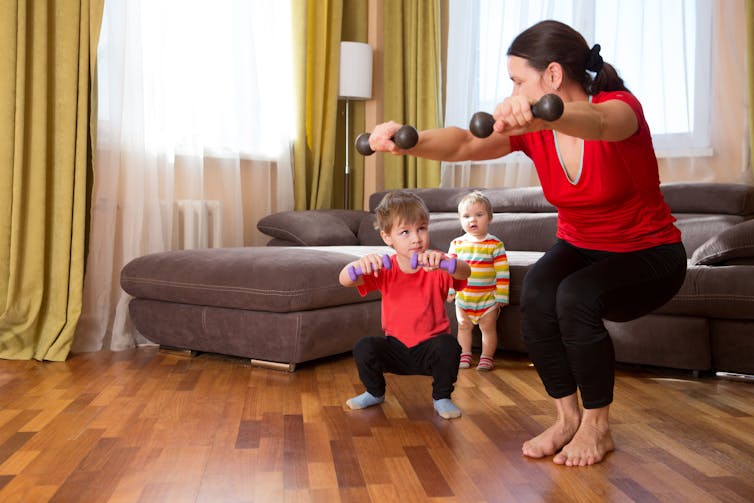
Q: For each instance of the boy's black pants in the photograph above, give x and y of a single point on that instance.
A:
(438, 357)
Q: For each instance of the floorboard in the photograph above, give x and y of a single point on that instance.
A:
(147, 425)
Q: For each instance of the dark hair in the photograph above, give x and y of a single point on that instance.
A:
(552, 41)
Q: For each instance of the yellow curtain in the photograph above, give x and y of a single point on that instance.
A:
(750, 75)
(412, 83)
(47, 54)
(316, 46)
(319, 150)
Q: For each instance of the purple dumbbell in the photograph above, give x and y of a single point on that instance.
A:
(354, 271)
(447, 264)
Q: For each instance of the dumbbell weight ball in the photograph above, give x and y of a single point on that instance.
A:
(481, 124)
(406, 137)
(354, 271)
(447, 264)
(548, 108)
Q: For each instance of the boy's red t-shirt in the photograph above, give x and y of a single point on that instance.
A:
(413, 305)
(615, 204)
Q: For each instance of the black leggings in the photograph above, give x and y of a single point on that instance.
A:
(438, 357)
(567, 294)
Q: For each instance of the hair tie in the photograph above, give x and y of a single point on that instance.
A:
(594, 62)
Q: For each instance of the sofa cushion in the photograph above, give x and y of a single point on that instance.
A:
(314, 228)
(367, 234)
(507, 199)
(715, 292)
(436, 199)
(254, 278)
(518, 199)
(733, 244)
(697, 228)
(696, 197)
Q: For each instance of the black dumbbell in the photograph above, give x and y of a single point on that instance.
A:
(406, 137)
(549, 108)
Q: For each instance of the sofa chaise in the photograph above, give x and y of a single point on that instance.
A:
(282, 305)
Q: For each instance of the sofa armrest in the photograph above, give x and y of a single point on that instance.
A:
(313, 227)
(733, 246)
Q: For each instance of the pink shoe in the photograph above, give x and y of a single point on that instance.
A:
(485, 363)
(465, 361)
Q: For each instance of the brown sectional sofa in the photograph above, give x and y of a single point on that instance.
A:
(282, 304)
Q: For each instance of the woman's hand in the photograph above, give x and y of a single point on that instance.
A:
(514, 116)
(381, 138)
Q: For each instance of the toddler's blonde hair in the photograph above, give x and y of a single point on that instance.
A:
(475, 197)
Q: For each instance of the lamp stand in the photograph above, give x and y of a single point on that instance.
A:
(347, 176)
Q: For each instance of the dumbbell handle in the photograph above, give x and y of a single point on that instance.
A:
(355, 271)
(405, 137)
(447, 264)
(548, 108)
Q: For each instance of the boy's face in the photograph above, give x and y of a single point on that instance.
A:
(407, 239)
(474, 219)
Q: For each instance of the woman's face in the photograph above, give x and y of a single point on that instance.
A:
(527, 81)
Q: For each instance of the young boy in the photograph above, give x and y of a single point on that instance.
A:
(417, 329)
(487, 290)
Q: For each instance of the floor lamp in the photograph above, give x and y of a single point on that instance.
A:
(355, 84)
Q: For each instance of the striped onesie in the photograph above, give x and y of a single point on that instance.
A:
(489, 282)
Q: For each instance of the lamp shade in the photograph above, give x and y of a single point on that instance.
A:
(355, 71)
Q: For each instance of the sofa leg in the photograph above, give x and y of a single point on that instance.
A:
(182, 351)
(286, 367)
(735, 376)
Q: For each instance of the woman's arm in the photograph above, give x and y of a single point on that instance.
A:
(442, 144)
(612, 120)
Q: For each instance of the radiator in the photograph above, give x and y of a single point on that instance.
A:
(197, 224)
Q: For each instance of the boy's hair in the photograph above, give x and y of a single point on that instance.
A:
(476, 197)
(400, 206)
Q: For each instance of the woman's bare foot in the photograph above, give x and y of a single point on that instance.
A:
(591, 442)
(549, 441)
(559, 434)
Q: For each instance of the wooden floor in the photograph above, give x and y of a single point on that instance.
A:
(155, 426)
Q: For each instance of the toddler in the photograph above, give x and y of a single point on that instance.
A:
(487, 289)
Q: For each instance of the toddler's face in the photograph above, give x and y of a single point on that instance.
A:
(475, 220)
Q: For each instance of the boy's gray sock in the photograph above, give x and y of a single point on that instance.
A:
(364, 400)
(447, 409)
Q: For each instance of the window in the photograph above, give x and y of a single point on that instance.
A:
(199, 76)
(661, 49)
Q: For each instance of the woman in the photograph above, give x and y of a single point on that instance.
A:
(618, 255)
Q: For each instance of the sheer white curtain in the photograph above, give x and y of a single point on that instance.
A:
(194, 134)
(661, 49)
